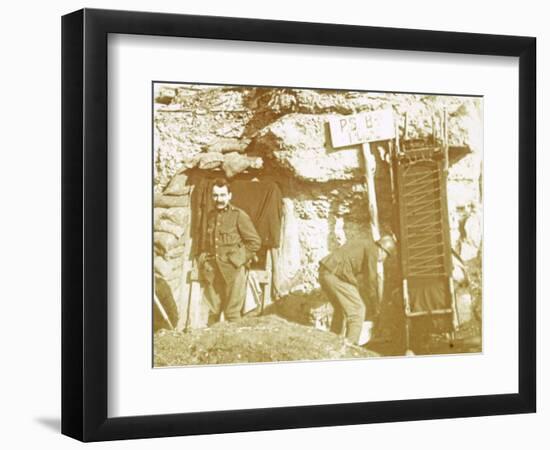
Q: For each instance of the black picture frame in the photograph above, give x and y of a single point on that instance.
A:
(84, 224)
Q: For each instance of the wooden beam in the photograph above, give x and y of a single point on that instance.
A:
(370, 170)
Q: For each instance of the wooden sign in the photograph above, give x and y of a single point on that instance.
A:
(362, 127)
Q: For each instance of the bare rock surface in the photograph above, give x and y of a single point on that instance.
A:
(301, 144)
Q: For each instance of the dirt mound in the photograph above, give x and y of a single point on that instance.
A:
(255, 339)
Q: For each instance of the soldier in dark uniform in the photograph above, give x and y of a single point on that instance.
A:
(338, 278)
(231, 243)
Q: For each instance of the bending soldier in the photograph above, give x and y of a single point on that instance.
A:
(338, 273)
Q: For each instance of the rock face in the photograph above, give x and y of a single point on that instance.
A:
(284, 133)
(290, 125)
(301, 144)
(195, 118)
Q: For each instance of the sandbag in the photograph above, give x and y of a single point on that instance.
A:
(177, 185)
(208, 161)
(164, 241)
(235, 163)
(228, 145)
(161, 267)
(169, 227)
(167, 270)
(178, 215)
(171, 201)
(176, 252)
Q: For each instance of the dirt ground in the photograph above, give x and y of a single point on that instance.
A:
(252, 340)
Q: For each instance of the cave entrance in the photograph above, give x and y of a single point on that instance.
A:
(179, 299)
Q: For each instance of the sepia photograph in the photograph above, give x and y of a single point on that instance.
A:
(305, 224)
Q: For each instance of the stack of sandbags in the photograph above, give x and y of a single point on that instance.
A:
(169, 227)
(171, 221)
(225, 153)
(232, 163)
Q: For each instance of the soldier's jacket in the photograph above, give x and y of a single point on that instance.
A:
(231, 239)
(357, 257)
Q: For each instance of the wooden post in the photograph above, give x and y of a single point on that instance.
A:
(456, 319)
(370, 170)
(446, 173)
(445, 142)
(182, 300)
(407, 302)
(391, 152)
(195, 305)
(445, 139)
(397, 143)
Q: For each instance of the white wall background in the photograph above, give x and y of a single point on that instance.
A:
(30, 288)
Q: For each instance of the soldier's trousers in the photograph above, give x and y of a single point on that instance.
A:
(347, 302)
(225, 296)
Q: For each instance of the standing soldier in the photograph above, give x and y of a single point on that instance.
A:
(231, 243)
(338, 278)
